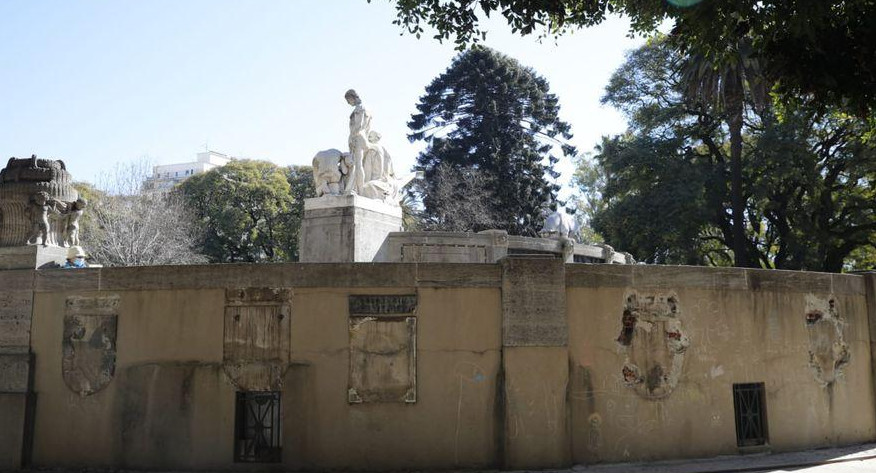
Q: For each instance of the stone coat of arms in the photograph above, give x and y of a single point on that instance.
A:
(88, 360)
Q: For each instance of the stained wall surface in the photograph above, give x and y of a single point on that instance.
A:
(706, 330)
(523, 364)
(171, 400)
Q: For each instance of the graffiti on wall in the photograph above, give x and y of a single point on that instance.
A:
(652, 342)
(88, 345)
(828, 350)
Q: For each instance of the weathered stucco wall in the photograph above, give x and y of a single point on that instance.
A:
(170, 403)
(728, 326)
(529, 363)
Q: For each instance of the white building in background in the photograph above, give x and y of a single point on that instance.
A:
(166, 176)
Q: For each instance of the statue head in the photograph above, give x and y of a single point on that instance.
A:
(352, 97)
(373, 136)
(40, 198)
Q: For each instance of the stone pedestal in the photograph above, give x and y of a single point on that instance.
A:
(31, 257)
(347, 229)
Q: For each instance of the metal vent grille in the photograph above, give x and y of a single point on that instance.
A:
(749, 404)
(257, 427)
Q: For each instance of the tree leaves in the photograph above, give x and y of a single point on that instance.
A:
(809, 178)
(247, 211)
(489, 114)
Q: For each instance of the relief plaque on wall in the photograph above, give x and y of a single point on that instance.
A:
(256, 342)
(88, 360)
(383, 349)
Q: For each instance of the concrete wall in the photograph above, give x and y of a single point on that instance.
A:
(741, 326)
(521, 364)
(171, 405)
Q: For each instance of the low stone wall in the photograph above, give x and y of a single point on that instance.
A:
(528, 363)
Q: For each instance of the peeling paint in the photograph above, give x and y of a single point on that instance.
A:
(653, 343)
(828, 350)
(256, 345)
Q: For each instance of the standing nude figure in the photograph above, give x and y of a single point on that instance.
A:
(71, 229)
(360, 125)
(39, 217)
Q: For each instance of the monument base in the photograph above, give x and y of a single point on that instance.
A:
(347, 229)
(32, 257)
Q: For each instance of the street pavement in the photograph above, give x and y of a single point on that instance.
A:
(854, 459)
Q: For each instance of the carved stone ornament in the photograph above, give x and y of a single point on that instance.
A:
(366, 170)
(256, 345)
(383, 349)
(653, 343)
(88, 360)
(828, 351)
(38, 204)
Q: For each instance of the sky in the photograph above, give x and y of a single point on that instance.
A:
(97, 83)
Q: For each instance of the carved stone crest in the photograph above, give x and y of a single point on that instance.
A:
(88, 360)
(828, 350)
(653, 342)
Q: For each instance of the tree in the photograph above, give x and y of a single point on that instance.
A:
(819, 48)
(589, 178)
(247, 211)
(124, 226)
(300, 187)
(493, 124)
(810, 174)
(726, 83)
(461, 200)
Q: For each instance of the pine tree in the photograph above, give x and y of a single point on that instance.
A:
(489, 113)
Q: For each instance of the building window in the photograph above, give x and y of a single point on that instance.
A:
(749, 404)
(257, 427)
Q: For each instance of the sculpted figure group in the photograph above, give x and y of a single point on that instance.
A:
(38, 206)
(365, 170)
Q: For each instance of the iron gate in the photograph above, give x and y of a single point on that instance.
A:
(750, 408)
(257, 427)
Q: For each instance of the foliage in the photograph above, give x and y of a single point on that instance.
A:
(461, 200)
(300, 187)
(124, 226)
(809, 178)
(589, 178)
(820, 48)
(493, 124)
(247, 211)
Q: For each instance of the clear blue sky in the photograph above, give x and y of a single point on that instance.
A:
(99, 82)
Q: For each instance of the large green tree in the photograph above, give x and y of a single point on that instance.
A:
(809, 176)
(824, 48)
(247, 211)
(491, 126)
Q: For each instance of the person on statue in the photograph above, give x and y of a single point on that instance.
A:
(360, 126)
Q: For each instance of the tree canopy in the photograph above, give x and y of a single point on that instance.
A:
(247, 211)
(824, 48)
(491, 126)
(809, 178)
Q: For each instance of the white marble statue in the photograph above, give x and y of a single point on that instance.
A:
(360, 126)
(559, 225)
(329, 168)
(366, 170)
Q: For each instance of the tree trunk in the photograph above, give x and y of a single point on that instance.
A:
(740, 248)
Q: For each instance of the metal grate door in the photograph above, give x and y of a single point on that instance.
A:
(750, 408)
(257, 427)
